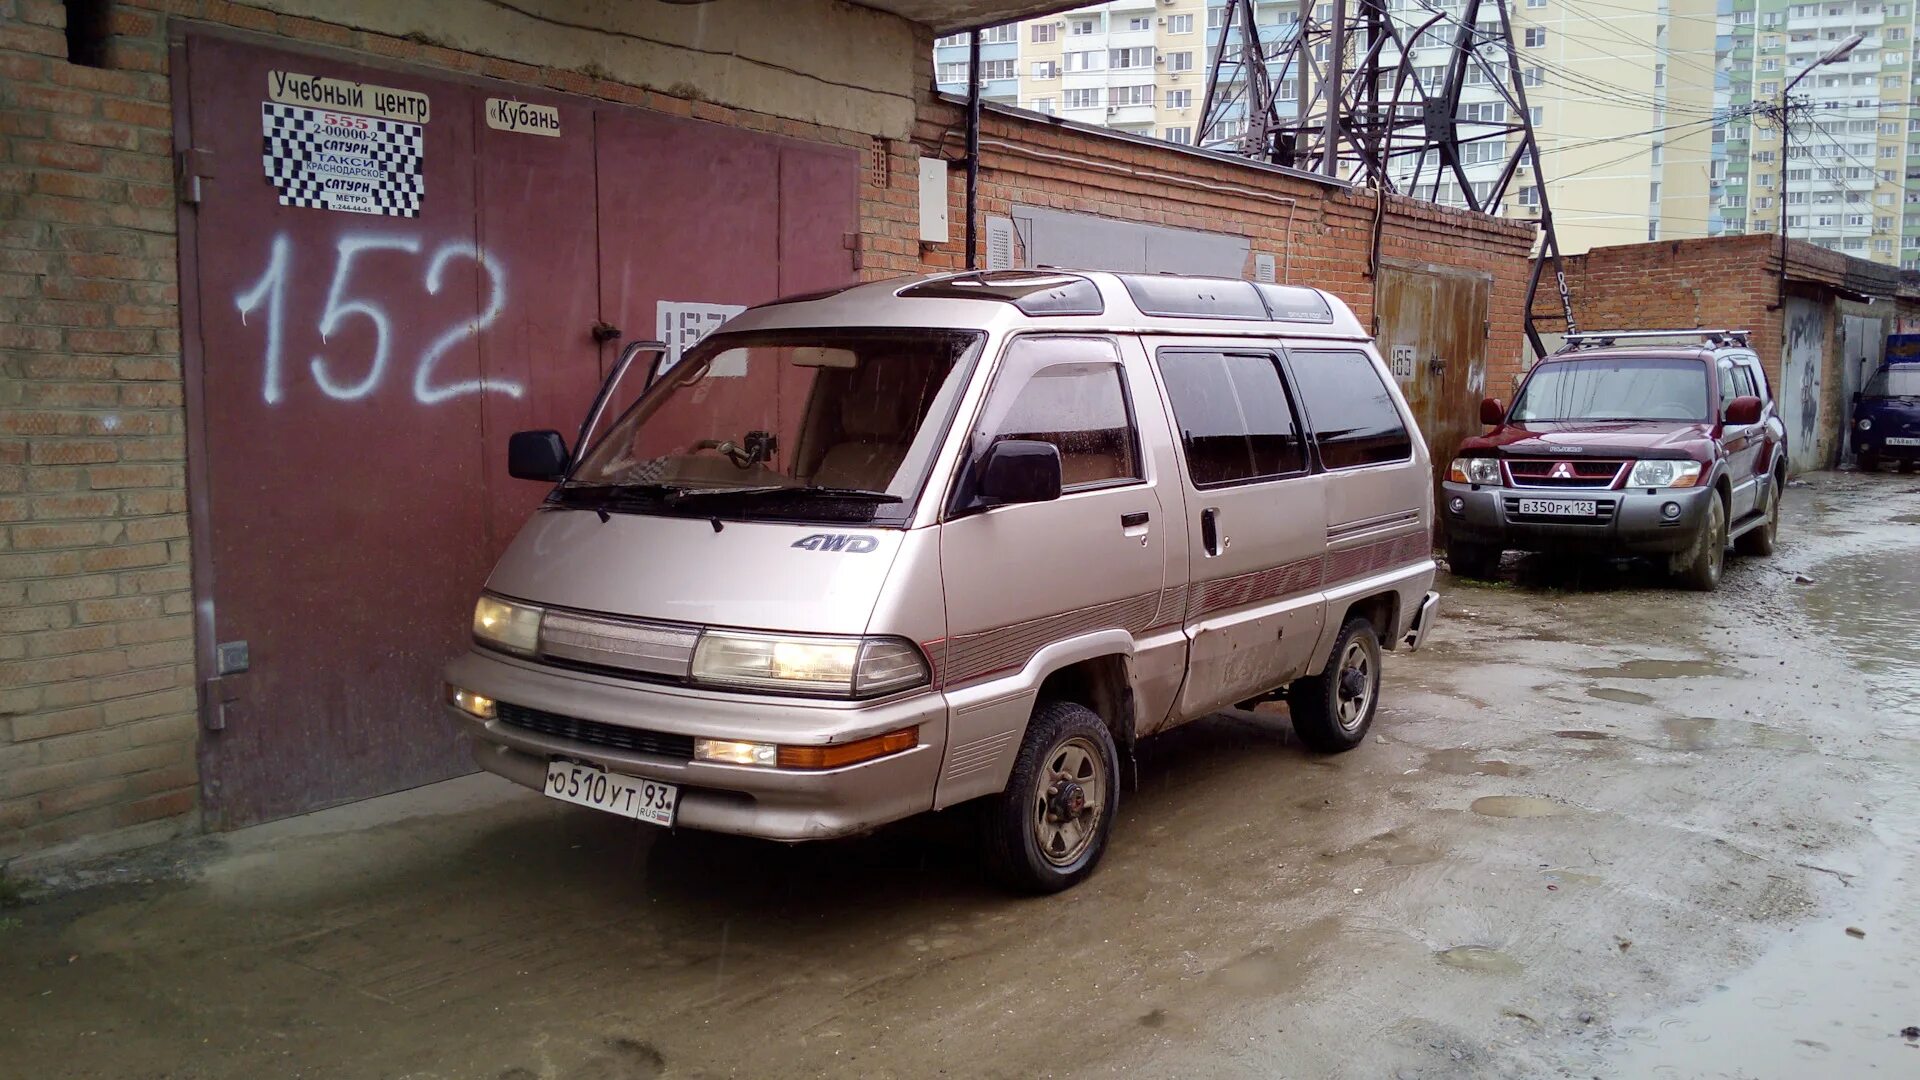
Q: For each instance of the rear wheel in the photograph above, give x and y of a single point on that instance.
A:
(1333, 710)
(1709, 555)
(1759, 540)
(1048, 829)
(1473, 560)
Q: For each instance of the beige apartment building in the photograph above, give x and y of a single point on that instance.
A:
(1621, 92)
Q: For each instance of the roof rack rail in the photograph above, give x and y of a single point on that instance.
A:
(1589, 339)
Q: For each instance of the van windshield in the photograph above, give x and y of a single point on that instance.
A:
(813, 424)
(1615, 388)
(1902, 381)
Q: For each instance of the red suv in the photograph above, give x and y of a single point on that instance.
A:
(1621, 445)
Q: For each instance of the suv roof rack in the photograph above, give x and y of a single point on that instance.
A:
(1592, 339)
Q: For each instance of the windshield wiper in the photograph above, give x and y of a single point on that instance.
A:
(690, 494)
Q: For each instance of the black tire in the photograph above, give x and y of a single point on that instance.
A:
(1708, 557)
(1760, 541)
(1473, 560)
(1906, 466)
(1016, 816)
(1868, 462)
(1330, 713)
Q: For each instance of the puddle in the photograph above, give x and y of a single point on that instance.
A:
(1657, 669)
(1388, 848)
(1520, 806)
(1624, 697)
(1905, 519)
(1870, 605)
(1571, 877)
(1590, 736)
(1481, 958)
(1465, 761)
(1263, 971)
(1707, 733)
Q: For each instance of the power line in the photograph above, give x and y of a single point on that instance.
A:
(1574, 9)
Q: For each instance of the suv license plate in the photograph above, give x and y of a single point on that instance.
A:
(627, 796)
(1894, 440)
(1560, 507)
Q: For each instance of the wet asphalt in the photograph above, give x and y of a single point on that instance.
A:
(1603, 828)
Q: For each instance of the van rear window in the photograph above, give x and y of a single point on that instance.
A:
(1352, 415)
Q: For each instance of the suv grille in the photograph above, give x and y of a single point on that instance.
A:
(594, 732)
(1538, 472)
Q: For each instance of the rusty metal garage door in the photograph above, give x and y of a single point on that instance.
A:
(1433, 332)
(386, 271)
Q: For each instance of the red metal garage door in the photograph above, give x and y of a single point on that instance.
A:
(352, 376)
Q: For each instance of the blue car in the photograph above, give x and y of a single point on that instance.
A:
(1886, 418)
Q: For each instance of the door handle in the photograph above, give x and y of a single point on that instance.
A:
(1134, 520)
(1210, 537)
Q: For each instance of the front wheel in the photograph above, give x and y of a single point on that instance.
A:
(1709, 554)
(1047, 830)
(1760, 541)
(1332, 710)
(1867, 462)
(1473, 560)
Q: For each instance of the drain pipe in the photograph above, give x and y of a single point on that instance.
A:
(973, 144)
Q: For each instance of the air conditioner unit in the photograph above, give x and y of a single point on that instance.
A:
(1175, 77)
(1113, 110)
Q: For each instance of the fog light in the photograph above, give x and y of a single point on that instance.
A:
(1457, 504)
(1670, 511)
(730, 752)
(470, 703)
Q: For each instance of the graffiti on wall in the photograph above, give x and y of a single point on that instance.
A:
(1800, 376)
(348, 378)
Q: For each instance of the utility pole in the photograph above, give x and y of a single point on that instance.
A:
(1783, 115)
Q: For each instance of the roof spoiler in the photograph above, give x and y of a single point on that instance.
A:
(1593, 339)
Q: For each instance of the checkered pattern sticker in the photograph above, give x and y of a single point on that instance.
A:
(326, 160)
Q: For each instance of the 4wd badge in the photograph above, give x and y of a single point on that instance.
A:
(848, 542)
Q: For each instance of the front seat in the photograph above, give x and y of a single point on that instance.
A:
(876, 425)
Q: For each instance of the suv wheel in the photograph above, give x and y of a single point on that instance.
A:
(1048, 829)
(1709, 554)
(1473, 560)
(1760, 541)
(1332, 710)
(1867, 462)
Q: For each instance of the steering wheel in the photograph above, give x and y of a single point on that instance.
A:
(741, 457)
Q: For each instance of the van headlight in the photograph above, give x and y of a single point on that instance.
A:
(1660, 474)
(1475, 470)
(830, 666)
(506, 625)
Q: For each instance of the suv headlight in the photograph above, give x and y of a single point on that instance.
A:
(1475, 470)
(1866, 424)
(1664, 474)
(836, 667)
(507, 626)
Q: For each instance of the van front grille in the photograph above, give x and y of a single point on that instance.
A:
(595, 733)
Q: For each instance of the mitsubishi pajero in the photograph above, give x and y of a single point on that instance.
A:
(958, 539)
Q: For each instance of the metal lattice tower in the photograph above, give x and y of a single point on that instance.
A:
(1361, 110)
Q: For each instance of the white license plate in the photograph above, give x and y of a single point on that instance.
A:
(1894, 440)
(642, 800)
(1560, 507)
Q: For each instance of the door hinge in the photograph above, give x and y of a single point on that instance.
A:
(219, 702)
(190, 167)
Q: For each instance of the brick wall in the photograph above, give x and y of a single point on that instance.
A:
(98, 722)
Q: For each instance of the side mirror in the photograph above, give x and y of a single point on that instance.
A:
(1018, 471)
(1743, 410)
(1492, 412)
(537, 455)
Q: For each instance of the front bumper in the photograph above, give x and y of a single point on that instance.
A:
(776, 804)
(1877, 445)
(1630, 522)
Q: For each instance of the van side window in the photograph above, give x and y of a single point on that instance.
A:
(1080, 406)
(1353, 418)
(1236, 421)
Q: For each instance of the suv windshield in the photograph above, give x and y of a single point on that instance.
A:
(1902, 381)
(805, 423)
(1614, 388)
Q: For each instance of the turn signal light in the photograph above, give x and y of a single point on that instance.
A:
(832, 757)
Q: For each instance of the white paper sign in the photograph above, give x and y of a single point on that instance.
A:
(681, 324)
(325, 160)
(1403, 362)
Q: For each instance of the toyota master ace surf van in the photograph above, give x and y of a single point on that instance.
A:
(957, 539)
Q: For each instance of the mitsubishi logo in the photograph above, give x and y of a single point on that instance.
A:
(1562, 470)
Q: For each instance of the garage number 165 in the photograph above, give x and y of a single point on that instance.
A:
(344, 378)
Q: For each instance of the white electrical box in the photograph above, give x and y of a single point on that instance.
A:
(933, 201)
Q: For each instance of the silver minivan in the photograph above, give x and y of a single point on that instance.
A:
(955, 539)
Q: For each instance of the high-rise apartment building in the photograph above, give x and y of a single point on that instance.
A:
(1851, 176)
(1622, 94)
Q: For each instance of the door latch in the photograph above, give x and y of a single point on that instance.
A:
(604, 332)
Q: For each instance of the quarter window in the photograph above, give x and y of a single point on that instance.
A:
(1077, 401)
(1352, 415)
(1236, 422)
